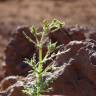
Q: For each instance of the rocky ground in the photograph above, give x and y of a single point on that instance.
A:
(78, 62)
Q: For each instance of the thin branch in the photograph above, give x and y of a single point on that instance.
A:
(30, 40)
(54, 55)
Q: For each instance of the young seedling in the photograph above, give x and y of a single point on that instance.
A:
(38, 85)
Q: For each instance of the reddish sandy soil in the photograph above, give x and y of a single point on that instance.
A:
(14, 13)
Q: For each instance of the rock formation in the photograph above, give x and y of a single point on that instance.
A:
(79, 75)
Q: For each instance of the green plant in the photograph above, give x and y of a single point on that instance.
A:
(38, 72)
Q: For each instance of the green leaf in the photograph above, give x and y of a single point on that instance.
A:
(46, 26)
(33, 30)
(51, 47)
(56, 24)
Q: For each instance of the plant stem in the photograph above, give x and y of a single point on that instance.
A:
(39, 81)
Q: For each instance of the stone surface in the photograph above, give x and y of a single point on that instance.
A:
(17, 50)
(11, 86)
(20, 48)
(78, 77)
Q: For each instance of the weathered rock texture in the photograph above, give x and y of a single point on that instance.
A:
(79, 74)
(11, 86)
(17, 50)
(79, 77)
(20, 48)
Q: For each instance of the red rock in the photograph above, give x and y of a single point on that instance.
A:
(78, 78)
(79, 74)
(18, 49)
